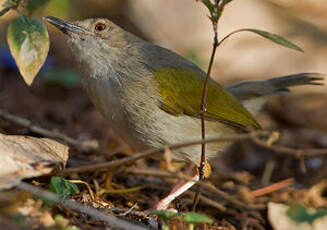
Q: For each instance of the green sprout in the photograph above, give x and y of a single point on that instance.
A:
(165, 216)
(62, 187)
(196, 218)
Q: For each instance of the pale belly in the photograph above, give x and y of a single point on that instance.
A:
(144, 125)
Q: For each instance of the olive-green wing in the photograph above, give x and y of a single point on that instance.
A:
(181, 92)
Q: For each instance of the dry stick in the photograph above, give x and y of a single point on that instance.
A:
(297, 153)
(210, 202)
(232, 200)
(154, 172)
(125, 212)
(287, 151)
(272, 188)
(104, 166)
(81, 145)
(111, 220)
(304, 153)
(203, 108)
(86, 146)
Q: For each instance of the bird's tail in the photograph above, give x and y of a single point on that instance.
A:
(254, 94)
(284, 82)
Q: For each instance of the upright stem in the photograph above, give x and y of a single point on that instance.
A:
(203, 108)
(204, 105)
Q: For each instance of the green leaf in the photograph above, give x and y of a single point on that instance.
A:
(33, 6)
(197, 218)
(164, 215)
(299, 213)
(29, 45)
(224, 2)
(275, 38)
(209, 5)
(62, 187)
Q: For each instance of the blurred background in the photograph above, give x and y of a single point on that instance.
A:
(56, 100)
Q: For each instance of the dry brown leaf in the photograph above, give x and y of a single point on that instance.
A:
(24, 157)
(316, 195)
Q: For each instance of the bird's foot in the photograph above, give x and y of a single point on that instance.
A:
(206, 171)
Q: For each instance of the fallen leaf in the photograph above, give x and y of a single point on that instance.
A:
(24, 157)
(316, 194)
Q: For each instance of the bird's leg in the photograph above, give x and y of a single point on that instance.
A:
(180, 188)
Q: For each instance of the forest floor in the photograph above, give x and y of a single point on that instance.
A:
(247, 177)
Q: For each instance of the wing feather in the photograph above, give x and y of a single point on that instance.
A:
(181, 93)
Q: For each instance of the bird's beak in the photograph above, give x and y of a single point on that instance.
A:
(66, 27)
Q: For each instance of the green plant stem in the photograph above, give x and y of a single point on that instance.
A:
(232, 33)
(204, 106)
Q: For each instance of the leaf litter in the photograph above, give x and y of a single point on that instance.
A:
(132, 191)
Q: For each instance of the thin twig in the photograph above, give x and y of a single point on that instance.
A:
(272, 188)
(131, 211)
(229, 198)
(87, 186)
(111, 220)
(209, 202)
(154, 172)
(297, 153)
(104, 166)
(80, 145)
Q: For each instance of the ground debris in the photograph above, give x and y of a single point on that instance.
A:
(24, 157)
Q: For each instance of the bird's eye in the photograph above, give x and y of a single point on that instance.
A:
(100, 27)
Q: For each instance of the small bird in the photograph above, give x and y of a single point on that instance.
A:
(151, 96)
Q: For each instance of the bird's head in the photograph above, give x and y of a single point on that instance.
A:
(94, 41)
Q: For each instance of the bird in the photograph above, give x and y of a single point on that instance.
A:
(151, 96)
